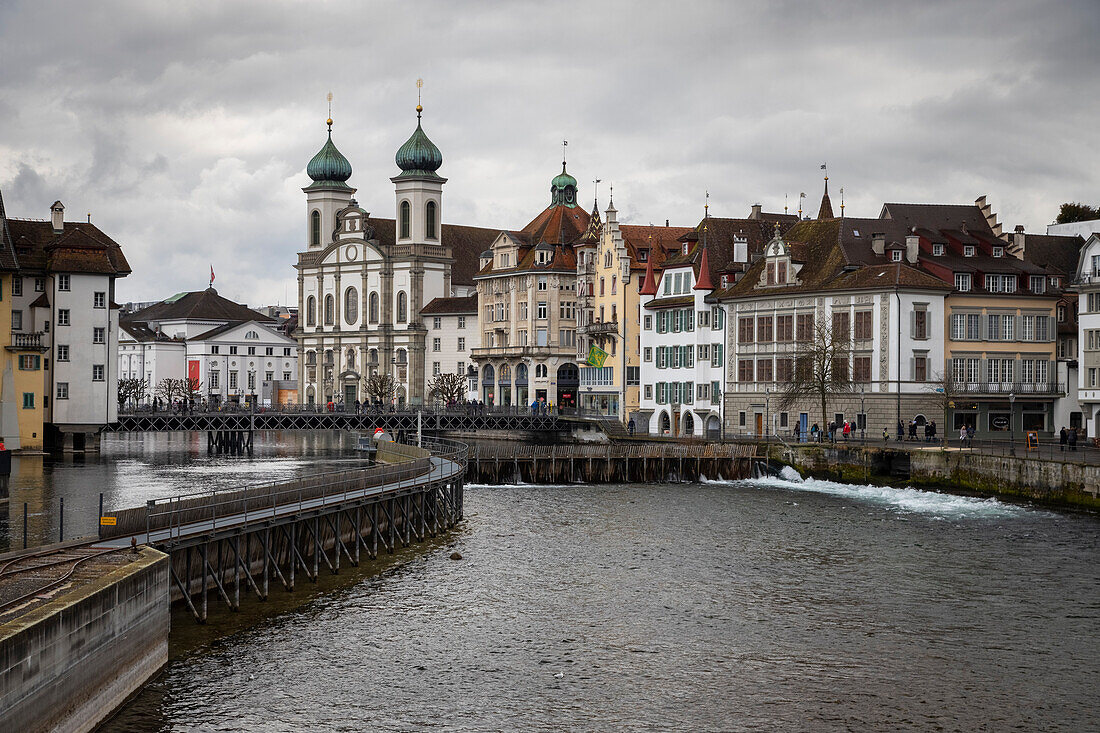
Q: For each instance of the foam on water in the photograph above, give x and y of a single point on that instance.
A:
(903, 500)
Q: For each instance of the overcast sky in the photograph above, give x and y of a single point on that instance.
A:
(185, 128)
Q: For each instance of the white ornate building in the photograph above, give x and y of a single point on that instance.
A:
(363, 280)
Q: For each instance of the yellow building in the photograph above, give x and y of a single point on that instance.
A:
(612, 273)
(22, 363)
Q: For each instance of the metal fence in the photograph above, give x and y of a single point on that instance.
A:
(240, 506)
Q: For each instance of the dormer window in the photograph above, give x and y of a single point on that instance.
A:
(962, 282)
(937, 249)
(968, 250)
(1055, 282)
(643, 255)
(686, 246)
(895, 255)
(725, 281)
(1038, 284)
(998, 251)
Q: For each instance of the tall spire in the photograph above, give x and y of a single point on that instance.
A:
(703, 281)
(649, 283)
(826, 209)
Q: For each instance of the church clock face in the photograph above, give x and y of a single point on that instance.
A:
(351, 253)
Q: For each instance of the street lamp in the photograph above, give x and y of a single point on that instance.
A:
(767, 415)
(862, 418)
(1012, 423)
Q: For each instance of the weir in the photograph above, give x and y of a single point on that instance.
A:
(609, 463)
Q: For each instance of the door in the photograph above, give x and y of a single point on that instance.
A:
(803, 424)
(759, 422)
(349, 394)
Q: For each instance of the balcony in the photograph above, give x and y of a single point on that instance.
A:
(27, 342)
(1004, 389)
(600, 328)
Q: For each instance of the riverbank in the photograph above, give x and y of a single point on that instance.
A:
(1066, 484)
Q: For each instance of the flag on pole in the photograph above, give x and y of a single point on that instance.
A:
(822, 166)
(211, 275)
(596, 356)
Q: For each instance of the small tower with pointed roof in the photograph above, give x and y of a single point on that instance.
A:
(419, 188)
(825, 211)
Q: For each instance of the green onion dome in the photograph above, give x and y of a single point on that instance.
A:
(419, 155)
(329, 165)
(563, 179)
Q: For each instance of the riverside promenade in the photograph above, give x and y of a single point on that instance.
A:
(63, 668)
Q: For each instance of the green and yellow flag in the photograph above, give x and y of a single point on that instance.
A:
(596, 356)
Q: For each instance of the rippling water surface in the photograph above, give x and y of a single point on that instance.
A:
(756, 605)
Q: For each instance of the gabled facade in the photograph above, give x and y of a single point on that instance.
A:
(363, 280)
(234, 355)
(1087, 285)
(1000, 327)
(452, 333)
(528, 300)
(64, 325)
(825, 276)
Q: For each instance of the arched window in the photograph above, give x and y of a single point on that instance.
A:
(374, 356)
(351, 305)
(351, 358)
(373, 306)
(405, 219)
(429, 220)
(311, 357)
(315, 229)
(251, 335)
(330, 307)
(402, 307)
(328, 356)
(402, 357)
(311, 311)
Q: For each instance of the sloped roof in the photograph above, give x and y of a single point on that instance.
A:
(444, 306)
(8, 261)
(1054, 252)
(217, 330)
(141, 332)
(661, 241)
(80, 247)
(202, 305)
(938, 216)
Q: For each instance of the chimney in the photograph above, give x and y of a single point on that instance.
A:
(1018, 241)
(666, 222)
(878, 243)
(755, 211)
(912, 248)
(57, 216)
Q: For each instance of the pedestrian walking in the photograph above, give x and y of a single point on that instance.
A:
(900, 431)
(1063, 438)
(885, 436)
(1073, 439)
(797, 433)
(962, 436)
(969, 436)
(847, 430)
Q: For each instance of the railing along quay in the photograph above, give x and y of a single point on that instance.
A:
(612, 462)
(222, 540)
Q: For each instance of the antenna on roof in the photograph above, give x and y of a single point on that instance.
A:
(800, 197)
(784, 203)
(595, 193)
(842, 203)
(89, 217)
(564, 145)
(329, 98)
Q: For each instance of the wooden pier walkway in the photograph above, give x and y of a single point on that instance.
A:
(608, 463)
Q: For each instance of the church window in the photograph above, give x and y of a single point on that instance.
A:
(373, 305)
(402, 307)
(330, 310)
(429, 220)
(351, 305)
(311, 357)
(405, 220)
(351, 358)
(311, 311)
(315, 229)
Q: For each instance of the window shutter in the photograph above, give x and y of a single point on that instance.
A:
(912, 324)
(913, 369)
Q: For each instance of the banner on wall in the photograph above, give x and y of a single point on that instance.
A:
(193, 370)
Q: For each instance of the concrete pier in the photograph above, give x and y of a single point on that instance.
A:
(68, 664)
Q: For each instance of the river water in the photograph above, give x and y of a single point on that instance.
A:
(753, 605)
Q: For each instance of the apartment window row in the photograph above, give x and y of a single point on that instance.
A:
(677, 283)
(782, 369)
(1000, 327)
(597, 376)
(675, 321)
(1000, 370)
(675, 393)
(675, 357)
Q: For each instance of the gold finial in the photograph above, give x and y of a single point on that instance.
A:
(419, 86)
(329, 97)
(706, 206)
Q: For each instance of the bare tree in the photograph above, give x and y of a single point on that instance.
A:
(381, 387)
(448, 388)
(131, 390)
(822, 369)
(191, 389)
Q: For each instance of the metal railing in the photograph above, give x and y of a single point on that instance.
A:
(207, 511)
(1007, 388)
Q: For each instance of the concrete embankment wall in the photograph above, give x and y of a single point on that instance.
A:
(1047, 481)
(67, 665)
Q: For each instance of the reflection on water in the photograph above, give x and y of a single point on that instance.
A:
(755, 605)
(133, 468)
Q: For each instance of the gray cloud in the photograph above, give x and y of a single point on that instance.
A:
(185, 128)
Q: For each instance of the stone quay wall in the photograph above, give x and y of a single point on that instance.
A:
(69, 664)
(1052, 482)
